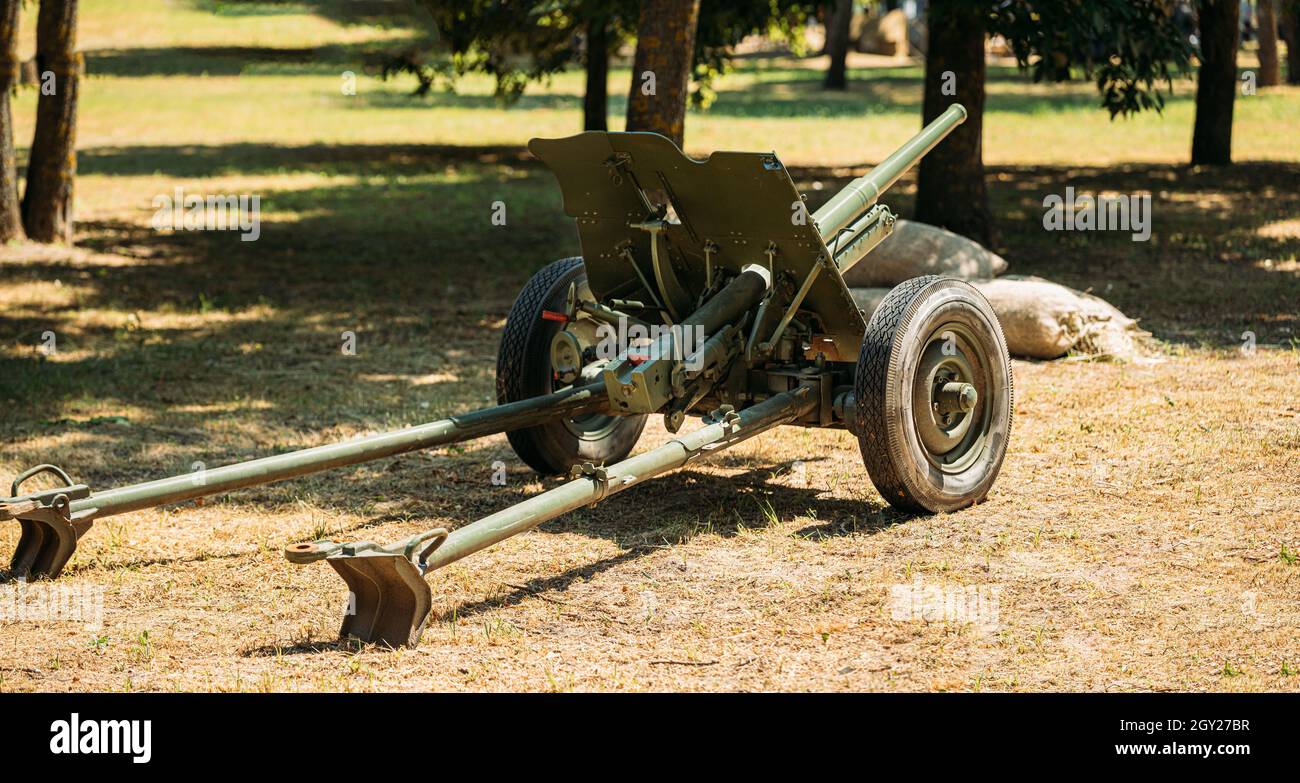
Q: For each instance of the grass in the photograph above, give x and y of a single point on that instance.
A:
(1140, 504)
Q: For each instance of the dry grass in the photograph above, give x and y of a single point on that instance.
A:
(1143, 533)
(1141, 536)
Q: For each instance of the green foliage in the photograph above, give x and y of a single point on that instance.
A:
(725, 23)
(1128, 47)
(514, 41)
(518, 42)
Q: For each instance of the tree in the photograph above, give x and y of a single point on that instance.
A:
(837, 45)
(1128, 48)
(1288, 27)
(661, 70)
(518, 42)
(513, 42)
(950, 181)
(1216, 83)
(595, 99)
(52, 165)
(1270, 70)
(725, 23)
(11, 225)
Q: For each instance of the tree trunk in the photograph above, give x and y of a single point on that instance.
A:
(1216, 84)
(52, 168)
(595, 100)
(11, 220)
(1270, 70)
(1288, 27)
(950, 190)
(661, 71)
(837, 45)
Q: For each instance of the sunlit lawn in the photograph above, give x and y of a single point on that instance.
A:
(174, 73)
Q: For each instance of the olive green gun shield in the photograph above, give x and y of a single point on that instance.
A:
(740, 205)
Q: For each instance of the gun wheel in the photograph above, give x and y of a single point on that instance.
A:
(933, 396)
(524, 370)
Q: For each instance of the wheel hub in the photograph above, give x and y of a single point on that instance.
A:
(953, 397)
(947, 396)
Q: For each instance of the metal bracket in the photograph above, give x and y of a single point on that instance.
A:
(597, 474)
(617, 165)
(50, 530)
(727, 416)
(670, 292)
(823, 261)
(625, 250)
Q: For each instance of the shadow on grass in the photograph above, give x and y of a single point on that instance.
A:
(401, 252)
(678, 495)
(386, 258)
(793, 93)
(233, 60)
(250, 159)
(236, 60)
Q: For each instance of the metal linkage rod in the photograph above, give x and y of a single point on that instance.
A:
(477, 424)
(599, 483)
(391, 600)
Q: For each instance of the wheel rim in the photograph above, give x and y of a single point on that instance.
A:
(592, 426)
(953, 367)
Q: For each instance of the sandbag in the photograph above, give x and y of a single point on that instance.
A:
(916, 249)
(886, 34)
(868, 299)
(1046, 320)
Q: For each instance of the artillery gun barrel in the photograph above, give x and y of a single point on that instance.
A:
(862, 193)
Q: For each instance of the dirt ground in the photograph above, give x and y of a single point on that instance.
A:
(1143, 533)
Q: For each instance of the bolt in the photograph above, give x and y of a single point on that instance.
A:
(953, 397)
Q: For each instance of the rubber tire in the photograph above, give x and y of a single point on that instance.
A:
(524, 371)
(891, 448)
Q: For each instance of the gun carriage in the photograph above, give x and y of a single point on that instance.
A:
(705, 288)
